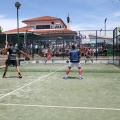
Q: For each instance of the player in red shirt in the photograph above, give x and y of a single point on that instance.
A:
(88, 56)
(49, 56)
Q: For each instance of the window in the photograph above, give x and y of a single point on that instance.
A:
(43, 27)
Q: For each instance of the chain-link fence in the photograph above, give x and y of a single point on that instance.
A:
(98, 42)
(101, 44)
(116, 46)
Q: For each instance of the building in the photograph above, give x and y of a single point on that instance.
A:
(100, 39)
(43, 29)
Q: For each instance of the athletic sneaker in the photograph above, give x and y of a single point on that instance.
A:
(19, 75)
(4, 76)
(80, 78)
(65, 77)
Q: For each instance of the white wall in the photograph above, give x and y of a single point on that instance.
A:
(56, 22)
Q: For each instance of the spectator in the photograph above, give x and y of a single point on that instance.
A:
(104, 45)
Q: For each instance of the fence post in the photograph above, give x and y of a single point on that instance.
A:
(63, 46)
(79, 40)
(96, 46)
(33, 47)
(113, 43)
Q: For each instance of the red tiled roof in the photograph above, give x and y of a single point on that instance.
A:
(23, 29)
(43, 18)
(41, 31)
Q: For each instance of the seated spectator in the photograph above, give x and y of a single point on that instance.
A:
(92, 51)
(100, 51)
(104, 45)
(105, 51)
(0, 51)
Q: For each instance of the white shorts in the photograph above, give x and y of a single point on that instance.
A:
(71, 64)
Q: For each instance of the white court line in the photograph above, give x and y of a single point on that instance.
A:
(63, 107)
(28, 84)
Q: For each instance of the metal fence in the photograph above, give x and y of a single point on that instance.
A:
(101, 43)
(116, 46)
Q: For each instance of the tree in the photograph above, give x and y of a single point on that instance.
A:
(119, 29)
(1, 29)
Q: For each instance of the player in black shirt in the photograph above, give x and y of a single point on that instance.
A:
(12, 50)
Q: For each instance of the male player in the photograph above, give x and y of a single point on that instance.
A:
(49, 56)
(88, 56)
(12, 50)
(74, 57)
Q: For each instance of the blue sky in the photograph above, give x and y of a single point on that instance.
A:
(84, 14)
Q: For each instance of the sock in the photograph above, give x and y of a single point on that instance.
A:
(19, 74)
(67, 71)
(80, 72)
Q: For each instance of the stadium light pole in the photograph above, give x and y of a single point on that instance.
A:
(105, 26)
(17, 5)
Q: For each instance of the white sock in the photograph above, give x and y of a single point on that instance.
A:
(80, 75)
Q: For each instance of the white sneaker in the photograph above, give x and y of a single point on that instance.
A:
(80, 78)
(65, 77)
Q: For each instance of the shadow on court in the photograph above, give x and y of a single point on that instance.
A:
(12, 77)
(70, 77)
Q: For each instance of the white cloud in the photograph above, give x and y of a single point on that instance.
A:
(84, 26)
(8, 24)
(110, 25)
(2, 16)
(91, 28)
(116, 14)
(113, 25)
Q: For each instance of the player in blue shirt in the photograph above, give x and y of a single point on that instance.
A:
(74, 57)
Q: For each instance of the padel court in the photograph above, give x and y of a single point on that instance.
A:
(43, 94)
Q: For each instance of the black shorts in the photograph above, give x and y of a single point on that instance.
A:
(11, 62)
